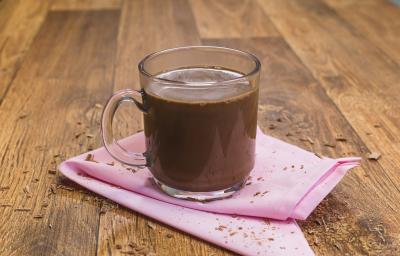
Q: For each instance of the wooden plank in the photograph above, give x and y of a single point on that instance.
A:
(66, 72)
(85, 5)
(150, 26)
(360, 78)
(345, 50)
(7, 8)
(19, 24)
(123, 232)
(147, 26)
(220, 19)
(294, 102)
(378, 21)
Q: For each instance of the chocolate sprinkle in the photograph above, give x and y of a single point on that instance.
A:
(374, 156)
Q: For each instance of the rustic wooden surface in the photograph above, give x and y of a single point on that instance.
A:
(329, 67)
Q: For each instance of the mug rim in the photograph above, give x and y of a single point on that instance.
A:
(250, 56)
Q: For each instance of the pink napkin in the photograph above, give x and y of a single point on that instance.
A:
(286, 183)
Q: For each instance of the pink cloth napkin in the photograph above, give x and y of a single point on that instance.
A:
(286, 183)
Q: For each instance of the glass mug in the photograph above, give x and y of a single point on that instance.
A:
(199, 107)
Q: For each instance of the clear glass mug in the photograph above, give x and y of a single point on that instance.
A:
(199, 107)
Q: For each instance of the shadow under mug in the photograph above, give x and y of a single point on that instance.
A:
(199, 106)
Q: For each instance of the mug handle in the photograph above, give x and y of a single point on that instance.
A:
(113, 147)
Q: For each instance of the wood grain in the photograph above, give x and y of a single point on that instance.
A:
(20, 22)
(376, 20)
(359, 77)
(85, 5)
(227, 18)
(65, 73)
(288, 92)
(147, 26)
(344, 49)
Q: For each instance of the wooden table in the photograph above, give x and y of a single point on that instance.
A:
(330, 68)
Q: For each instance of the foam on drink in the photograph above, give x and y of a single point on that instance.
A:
(194, 89)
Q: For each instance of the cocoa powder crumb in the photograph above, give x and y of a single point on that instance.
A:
(271, 239)
(220, 228)
(131, 169)
(340, 137)
(374, 156)
(22, 116)
(22, 209)
(267, 221)
(233, 233)
(89, 157)
(26, 190)
(151, 225)
(316, 242)
(338, 246)
(318, 155)
(65, 187)
(256, 194)
(328, 144)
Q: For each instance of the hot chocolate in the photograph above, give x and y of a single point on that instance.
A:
(201, 140)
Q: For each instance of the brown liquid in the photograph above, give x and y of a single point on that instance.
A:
(204, 145)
